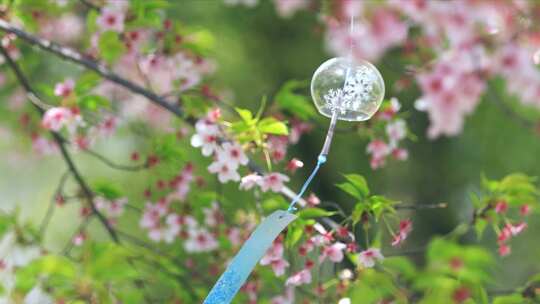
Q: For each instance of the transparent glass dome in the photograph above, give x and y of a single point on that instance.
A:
(355, 89)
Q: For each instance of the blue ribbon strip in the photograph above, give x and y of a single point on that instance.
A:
(247, 258)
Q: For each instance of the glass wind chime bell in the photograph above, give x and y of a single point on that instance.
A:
(342, 89)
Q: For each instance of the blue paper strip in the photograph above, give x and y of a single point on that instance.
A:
(249, 255)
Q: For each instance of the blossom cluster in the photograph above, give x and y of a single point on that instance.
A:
(509, 230)
(229, 156)
(386, 145)
(471, 42)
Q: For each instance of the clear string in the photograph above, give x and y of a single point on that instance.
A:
(329, 135)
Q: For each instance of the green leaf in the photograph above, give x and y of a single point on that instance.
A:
(310, 213)
(107, 189)
(479, 226)
(350, 189)
(86, 82)
(359, 182)
(359, 208)
(91, 18)
(93, 102)
(273, 126)
(245, 115)
(379, 204)
(294, 103)
(294, 233)
(110, 46)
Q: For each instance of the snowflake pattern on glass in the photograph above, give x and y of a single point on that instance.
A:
(357, 90)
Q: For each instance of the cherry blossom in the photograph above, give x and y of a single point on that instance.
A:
(369, 257)
(250, 181)
(524, 210)
(396, 131)
(334, 252)
(294, 164)
(313, 200)
(273, 181)
(277, 146)
(504, 250)
(405, 227)
(299, 278)
(298, 128)
(225, 171)
(501, 207)
(213, 215)
(111, 19)
(64, 89)
(232, 154)
(200, 240)
(56, 118)
(43, 146)
(206, 137)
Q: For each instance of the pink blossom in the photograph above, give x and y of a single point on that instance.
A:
(400, 154)
(279, 266)
(504, 250)
(405, 227)
(378, 149)
(524, 210)
(277, 146)
(152, 215)
(313, 200)
(333, 252)
(200, 240)
(368, 257)
(298, 128)
(232, 154)
(396, 131)
(275, 252)
(111, 19)
(64, 89)
(225, 171)
(206, 137)
(516, 229)
(294, 164)
(273, 181)
(43, 146)
(235, 236)
(501, 207)
(79, 238)
(57, 118)
(249, 181)
(212, 215)
(299, 278)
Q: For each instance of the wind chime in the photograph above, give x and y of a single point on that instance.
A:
(342, 89)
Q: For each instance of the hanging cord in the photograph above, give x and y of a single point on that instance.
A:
(329, 135)
(320, 161)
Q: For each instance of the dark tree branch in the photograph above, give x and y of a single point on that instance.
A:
(114, 165)
(61, 145)
(422, 206)
(76, 57)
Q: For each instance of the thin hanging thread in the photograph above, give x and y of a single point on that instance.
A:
(328, 141)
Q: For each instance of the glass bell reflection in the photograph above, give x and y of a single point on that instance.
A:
(351, 88)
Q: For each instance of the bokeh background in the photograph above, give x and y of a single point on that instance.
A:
(256, 52)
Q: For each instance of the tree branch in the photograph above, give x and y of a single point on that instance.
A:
(61, 145)
(78, 58)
